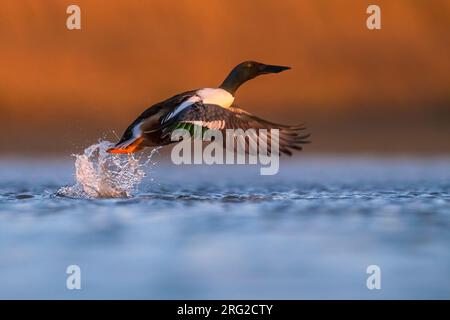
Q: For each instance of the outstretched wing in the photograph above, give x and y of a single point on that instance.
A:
(214, 117)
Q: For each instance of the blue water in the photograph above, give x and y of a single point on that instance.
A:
(227, 232)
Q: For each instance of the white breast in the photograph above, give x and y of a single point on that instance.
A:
(216, 96)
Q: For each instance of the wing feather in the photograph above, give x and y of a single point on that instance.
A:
(215, 117)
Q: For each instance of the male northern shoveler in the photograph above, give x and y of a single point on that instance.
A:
(211, 108)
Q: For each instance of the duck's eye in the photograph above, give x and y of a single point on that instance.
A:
(249, 65)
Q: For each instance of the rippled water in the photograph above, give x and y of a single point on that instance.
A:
(227, 232)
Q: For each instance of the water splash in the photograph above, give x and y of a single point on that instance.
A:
(102, 175)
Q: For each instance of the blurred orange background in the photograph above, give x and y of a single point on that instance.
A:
(359, 91)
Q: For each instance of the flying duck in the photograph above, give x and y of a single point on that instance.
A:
(210, 108)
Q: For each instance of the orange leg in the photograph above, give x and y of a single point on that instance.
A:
(135, 146)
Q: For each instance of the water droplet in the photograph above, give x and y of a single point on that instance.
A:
(103, 175)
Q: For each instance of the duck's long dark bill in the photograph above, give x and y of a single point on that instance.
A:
(133, 147)
(273, 69)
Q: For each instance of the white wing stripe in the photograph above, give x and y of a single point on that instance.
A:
(181, 107)
(214, 125)
(216, 96)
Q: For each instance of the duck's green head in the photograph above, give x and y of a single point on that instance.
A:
(246, 71)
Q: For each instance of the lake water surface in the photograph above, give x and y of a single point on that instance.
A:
(225, 232)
